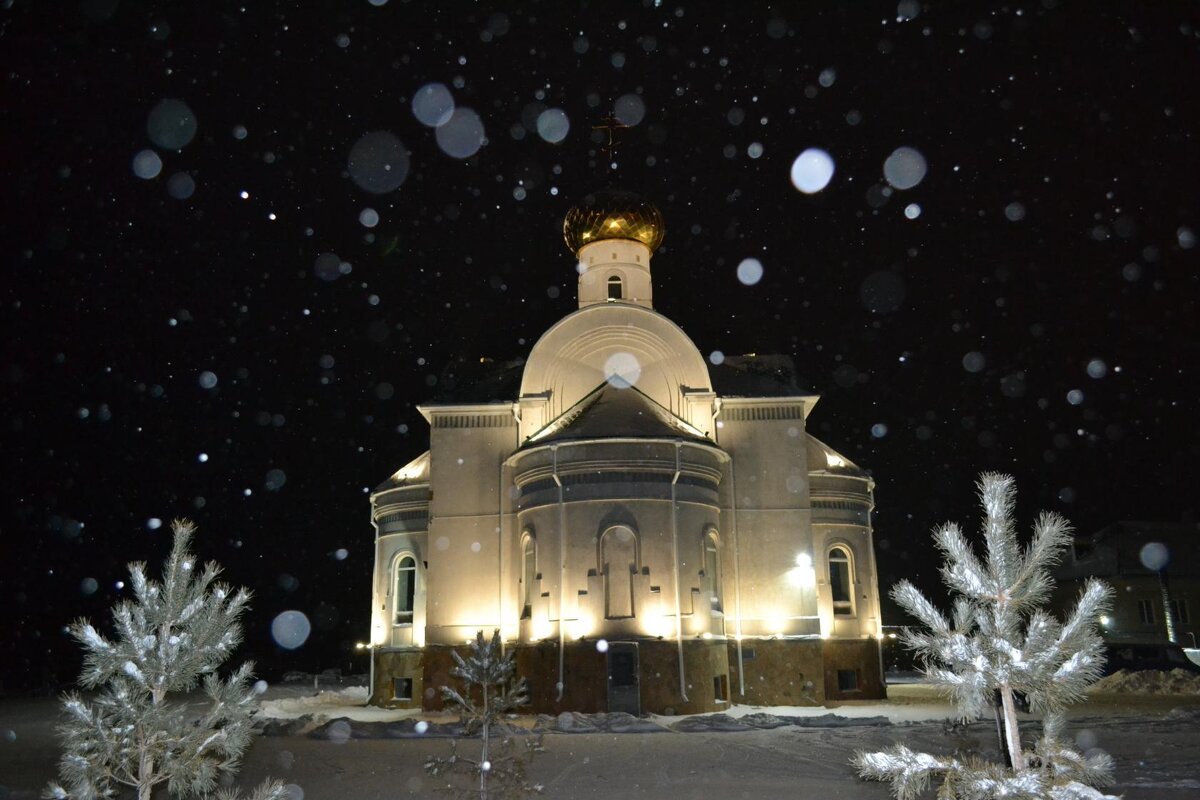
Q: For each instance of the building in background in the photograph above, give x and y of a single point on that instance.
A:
(650, 532)
(1154, 569)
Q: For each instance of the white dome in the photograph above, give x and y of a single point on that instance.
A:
(625, 345)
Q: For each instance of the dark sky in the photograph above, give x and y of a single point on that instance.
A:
(1030, 306)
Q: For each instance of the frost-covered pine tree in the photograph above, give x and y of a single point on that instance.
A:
(138, 731)
(999, 642)
(489, 695)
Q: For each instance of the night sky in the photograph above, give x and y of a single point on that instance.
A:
(230, 339)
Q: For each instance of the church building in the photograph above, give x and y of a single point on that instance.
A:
(648, 531)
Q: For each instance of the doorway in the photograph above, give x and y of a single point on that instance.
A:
(624, 691)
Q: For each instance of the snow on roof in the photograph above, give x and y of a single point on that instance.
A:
(411, 474)
(823, 458)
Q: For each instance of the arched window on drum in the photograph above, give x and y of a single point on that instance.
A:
(712, 570)
(404, 594)
(528, 574)
(841, 581)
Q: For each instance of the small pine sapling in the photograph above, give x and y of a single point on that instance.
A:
(487, 698)
(137, 732)
(999, 642)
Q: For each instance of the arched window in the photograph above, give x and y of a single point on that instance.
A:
(614, 288)
(618, 562)
(406, 590)
(841, 587)
(712, 570)
(528, 576)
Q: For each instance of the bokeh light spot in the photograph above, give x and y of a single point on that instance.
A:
(904, 168)
(750, 271)
(290, 629)
(378, 162)
(812, 170)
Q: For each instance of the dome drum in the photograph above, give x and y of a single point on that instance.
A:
(601, 469)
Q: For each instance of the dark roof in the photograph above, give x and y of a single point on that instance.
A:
(478, 380)
(755, 376)
(609, 411)
(1133, 547)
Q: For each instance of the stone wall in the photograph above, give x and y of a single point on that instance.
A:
(779, 672)
(398, 664)
(860, 656)
(785, 672)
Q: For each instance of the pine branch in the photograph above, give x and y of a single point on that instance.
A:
(170, 635)
(997, 642)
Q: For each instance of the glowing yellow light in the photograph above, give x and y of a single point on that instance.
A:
(1104, 620)
(802, 576)
(580, 628)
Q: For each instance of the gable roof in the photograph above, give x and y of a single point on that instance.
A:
(611, 411)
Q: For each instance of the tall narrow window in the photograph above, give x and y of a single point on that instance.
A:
(614, 288)
(839, 582)
(712, 571)
(1146, 612)
(406, 590)
(528, 577)
(618, 560)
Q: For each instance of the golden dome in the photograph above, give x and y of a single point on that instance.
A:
(613, 214)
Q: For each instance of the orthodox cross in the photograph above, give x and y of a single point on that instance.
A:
(610, 125)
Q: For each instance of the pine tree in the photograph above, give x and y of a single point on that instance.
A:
(999, 642)
(499, 770)
(137, 731)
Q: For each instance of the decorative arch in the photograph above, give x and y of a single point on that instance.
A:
(618, 558)
(404, 575)
(839, 560)
(568, 362)
(710, 559)
(529, 573)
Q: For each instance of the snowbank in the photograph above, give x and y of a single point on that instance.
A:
(909, 704)
(349, 702)
(1148, 681)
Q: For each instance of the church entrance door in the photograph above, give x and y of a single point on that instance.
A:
(624, 690)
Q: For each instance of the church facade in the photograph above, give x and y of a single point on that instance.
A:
(648, 531)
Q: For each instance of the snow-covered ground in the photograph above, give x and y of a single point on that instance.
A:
(1151, 682)
(327, 744)
(912, 703)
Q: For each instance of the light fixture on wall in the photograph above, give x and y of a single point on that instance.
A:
(802, 576)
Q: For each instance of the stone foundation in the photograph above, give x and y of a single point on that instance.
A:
(792, 672)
